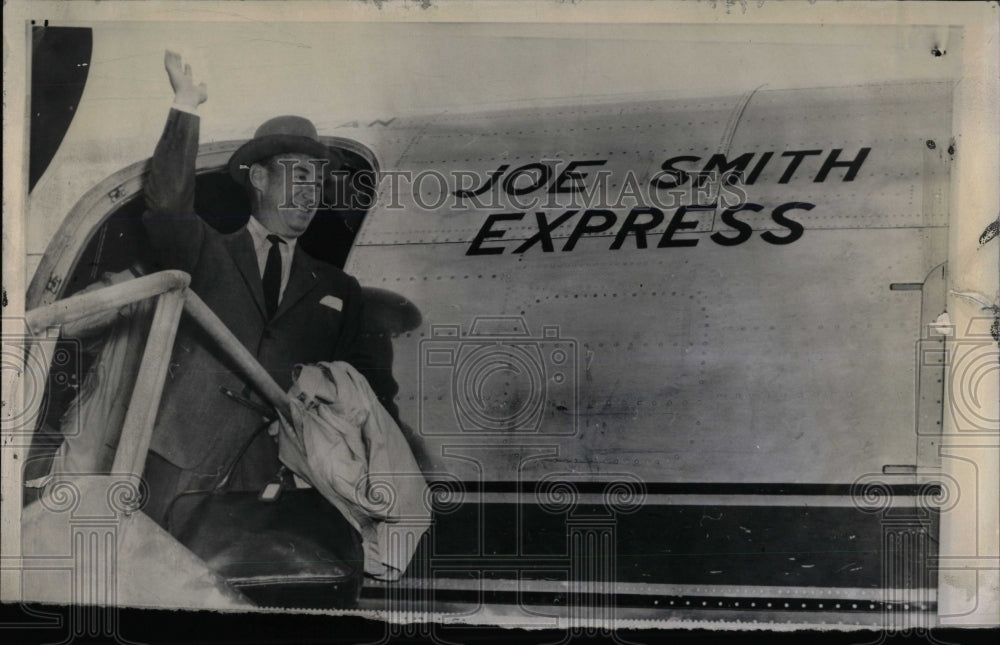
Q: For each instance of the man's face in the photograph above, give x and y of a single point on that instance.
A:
(290, 189)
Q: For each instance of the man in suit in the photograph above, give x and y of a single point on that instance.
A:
(284, 306)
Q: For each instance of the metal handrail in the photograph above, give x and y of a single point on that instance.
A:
(173, 296)
(114, 296)
(234, 349)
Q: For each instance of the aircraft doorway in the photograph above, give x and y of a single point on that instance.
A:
(118, 240)
(103, 235)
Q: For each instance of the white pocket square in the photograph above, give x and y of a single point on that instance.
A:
(333, 302)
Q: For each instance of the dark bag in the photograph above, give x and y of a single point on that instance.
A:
(283, 547)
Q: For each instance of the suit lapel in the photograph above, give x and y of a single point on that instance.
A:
(240, 247)
(301, 280)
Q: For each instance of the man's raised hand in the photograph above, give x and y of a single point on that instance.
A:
(185, 91)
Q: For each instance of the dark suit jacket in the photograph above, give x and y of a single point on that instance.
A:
(198, 428)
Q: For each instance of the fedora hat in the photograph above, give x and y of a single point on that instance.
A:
(281, 135)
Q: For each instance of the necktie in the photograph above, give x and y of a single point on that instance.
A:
(272, 275)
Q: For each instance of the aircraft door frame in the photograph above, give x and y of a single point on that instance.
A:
(85, 218)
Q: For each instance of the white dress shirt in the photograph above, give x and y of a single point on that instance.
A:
(262, 246)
